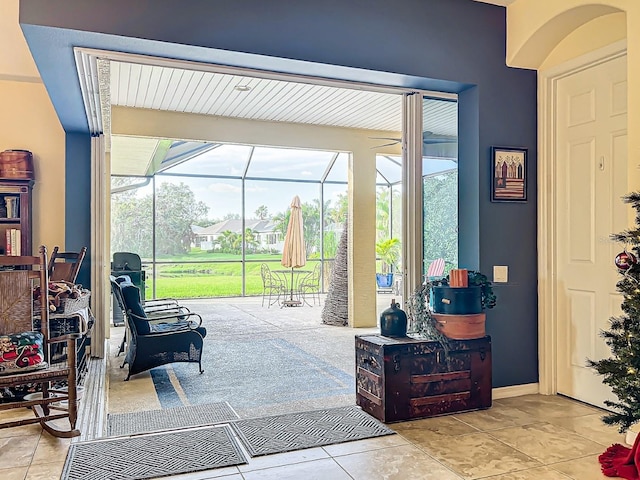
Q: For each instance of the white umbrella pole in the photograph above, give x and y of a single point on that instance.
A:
(291, 298)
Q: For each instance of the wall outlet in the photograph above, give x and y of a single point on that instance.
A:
(500, 274)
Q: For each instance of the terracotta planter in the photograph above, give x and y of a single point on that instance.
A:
(461, 327)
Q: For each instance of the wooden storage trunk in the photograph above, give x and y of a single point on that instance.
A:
(405, 378)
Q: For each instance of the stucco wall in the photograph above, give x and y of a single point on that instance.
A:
(537, 27)
(591, 36)
(28, 121)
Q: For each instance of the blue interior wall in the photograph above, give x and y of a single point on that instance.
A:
(77, 214)
(447, 45)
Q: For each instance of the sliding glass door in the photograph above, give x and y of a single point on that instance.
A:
(430, 188)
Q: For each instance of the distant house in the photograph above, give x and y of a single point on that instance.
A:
(196, 229)
(264, 230)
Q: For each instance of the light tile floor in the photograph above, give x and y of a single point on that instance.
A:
(531, 437)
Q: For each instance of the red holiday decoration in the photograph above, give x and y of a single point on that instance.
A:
(619, 461)
(624, 260)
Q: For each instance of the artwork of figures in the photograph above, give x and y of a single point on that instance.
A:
(508, 174)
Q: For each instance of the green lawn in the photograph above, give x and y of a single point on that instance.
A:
(220, 276)
(207, 280)
(198, 286)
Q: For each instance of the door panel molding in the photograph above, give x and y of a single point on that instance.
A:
(547, 206)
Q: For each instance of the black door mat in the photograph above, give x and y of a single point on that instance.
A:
(120, 424)
(296, 431)
(154, 455)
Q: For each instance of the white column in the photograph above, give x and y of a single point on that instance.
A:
(362, 234)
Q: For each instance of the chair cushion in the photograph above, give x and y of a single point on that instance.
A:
(21, 352)
(131, 296)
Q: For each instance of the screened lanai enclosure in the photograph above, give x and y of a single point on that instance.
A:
(213, 213)
(204, 216)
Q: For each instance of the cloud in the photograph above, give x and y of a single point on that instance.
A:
(257, 189)
(224, 188)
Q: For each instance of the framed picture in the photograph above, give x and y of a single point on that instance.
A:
(508, 174)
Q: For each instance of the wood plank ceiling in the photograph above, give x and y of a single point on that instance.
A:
(246, 97)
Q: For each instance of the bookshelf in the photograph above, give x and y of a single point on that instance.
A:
(15, 216)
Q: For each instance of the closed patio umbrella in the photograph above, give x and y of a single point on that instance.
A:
(294, 254)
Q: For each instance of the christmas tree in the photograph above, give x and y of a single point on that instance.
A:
(620, 371)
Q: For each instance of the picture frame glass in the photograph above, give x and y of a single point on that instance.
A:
(508, 172)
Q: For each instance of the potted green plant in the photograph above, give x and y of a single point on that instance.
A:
(475, 279)
(388, 251)
(420, 313)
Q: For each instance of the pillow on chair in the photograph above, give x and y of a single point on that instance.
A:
(131, 295)
(21, 352)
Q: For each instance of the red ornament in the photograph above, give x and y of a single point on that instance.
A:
(624, 260)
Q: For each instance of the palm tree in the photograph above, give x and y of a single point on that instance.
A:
(382, 213)
(388, 251)
(226, 240)
(251, 242)
(262, 212)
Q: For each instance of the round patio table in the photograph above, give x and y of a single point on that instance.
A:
(291, 278)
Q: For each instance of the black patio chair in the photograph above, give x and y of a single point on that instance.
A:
(164, 337)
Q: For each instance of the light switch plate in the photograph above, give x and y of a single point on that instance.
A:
(500, 274)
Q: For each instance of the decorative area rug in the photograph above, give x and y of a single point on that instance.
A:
(251, 372)
(285, 433)
(119, 424)
(155, 455)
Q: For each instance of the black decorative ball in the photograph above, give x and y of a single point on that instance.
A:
(624, 260)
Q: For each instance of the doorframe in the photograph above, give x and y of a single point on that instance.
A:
(547, 207)
(88, 73)
(412, 193)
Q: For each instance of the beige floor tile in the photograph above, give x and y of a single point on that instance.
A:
(585, 468)
(22, 431)
(45, 471)
(592, 427)
(476, 455)
(236, 476)
(430, 428)
(288, 458)
(17, 414)
(498, 416)
(225, 473)
(395, 463)
(17, 473)
(18, 451)
(323, 469)
(542, 473)
(365, 445)
(545, 407)
(51, 449)
(547, 443)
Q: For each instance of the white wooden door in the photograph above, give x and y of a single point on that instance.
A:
(591, 171)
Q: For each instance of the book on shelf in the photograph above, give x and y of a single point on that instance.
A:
(13, 242)
(12, 206)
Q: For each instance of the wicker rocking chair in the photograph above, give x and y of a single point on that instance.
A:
(24, 353)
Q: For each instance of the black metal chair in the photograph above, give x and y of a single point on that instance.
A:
(172, 335)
